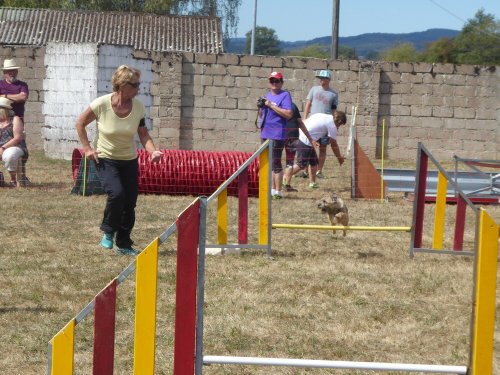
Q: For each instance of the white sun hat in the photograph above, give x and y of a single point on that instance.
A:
(10, 64)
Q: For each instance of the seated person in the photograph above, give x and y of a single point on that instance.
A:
(12, 143)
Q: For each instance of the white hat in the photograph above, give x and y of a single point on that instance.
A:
(10, 64)
(324, 74)
(5, 103)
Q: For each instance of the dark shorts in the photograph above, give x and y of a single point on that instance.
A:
(277, 153)
(306, 155)
(291, 145)
(324, 141)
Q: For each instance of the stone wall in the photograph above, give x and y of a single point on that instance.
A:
(207, 101)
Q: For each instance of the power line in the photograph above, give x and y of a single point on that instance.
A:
(464, 21)
(448, 11)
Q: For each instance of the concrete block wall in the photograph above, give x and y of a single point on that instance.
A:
(69, 86)
(452, 109)
(166, 93)
(76, 74)
(207, 102)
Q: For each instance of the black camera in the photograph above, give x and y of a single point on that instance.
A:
(261, 102)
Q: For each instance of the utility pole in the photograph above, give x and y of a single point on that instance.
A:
(335, 29)
(252, 41)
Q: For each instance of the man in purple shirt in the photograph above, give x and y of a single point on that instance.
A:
(12, 88)
(274, 116)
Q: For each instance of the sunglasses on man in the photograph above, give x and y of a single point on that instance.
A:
(274, 81)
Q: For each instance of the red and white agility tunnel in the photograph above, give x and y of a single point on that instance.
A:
(185, 172)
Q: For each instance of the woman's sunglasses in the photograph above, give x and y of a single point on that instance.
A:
(134, 85)
(275, 81)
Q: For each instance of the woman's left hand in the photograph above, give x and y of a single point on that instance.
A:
(156, 156)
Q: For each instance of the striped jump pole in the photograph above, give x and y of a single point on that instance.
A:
(263, 155)
(484, 297)
(423, 158)
(61, 347)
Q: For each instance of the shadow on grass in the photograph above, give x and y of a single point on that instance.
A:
(36, 310)
(369, 254)
(41, 186)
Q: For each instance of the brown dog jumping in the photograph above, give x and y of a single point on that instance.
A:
(336, 209)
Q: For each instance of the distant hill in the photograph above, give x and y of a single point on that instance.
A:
(363, 44)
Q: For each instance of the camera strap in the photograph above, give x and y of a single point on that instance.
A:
(263, 120)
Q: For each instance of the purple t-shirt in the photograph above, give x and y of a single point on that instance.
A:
(15, 88)
(273, 126)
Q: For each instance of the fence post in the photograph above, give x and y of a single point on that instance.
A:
(484, 301)
(185, 295)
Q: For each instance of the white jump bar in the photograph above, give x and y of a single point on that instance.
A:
(374, 366)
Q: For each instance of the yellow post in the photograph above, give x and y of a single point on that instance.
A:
(485, 296)
(222, 218)
(442, 186)
(145, 309)
(63, 350)
(382, 166)
(263, 196)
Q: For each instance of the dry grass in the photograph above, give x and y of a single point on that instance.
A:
(356, 298)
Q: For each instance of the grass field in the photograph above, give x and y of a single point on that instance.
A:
(320, 297)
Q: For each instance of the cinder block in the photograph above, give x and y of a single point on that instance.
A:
(251, 60)
(205, 58)
(276, 63)
(228, 59)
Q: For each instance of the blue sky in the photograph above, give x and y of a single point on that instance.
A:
(307, 19)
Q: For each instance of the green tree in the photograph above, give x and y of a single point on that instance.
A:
(440, 51)
(227, 10)
(266, 42)
(403, 52)
(314, 50)
(347, 53)
(479, 41)
(322, 52)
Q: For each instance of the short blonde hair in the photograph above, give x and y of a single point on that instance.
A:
(6, 113)
(122, 75)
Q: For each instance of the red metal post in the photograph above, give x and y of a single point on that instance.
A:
(458, 239)
(420, 199)
(243, 207)
(104, 330)
(188, 225)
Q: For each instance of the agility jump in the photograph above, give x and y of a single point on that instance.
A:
(190, 281)
(61, 346)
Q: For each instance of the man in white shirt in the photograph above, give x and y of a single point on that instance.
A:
(318, 125)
